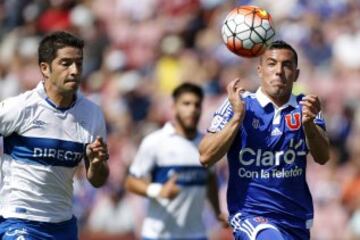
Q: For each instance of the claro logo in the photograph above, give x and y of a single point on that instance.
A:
(259, 157)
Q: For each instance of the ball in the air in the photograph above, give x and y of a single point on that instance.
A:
(247, 30)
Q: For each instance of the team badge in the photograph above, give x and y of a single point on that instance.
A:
(255, 123)
(293, 121)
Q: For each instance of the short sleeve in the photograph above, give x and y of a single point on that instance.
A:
(320, 121)
(101, 126)
(221, 117)
(145, 158)
(95, 121)
(11, 115)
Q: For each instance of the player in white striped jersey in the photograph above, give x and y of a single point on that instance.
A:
(47, 131)
(167, 170)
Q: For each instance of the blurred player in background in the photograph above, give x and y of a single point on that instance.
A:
(167, 170)
(267, 136)
(47, 132)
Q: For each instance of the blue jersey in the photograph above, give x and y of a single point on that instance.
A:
(267, 161)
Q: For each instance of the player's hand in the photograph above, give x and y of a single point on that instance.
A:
(170, 190)
(234, 91)
(310, 108)
(97, 151)
(223, 219)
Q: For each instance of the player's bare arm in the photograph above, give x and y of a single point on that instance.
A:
(316, 137)
(145, 188)
(97, 170)
(215, 145)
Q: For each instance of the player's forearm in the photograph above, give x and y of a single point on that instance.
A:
(215, 145)
(97, 174)
(136, 185)
(318, 143)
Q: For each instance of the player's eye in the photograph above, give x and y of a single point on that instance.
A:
(65, 63)
(288, 64)
(78, 64)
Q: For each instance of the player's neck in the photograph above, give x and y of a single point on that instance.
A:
(280, 101)
(62, 100)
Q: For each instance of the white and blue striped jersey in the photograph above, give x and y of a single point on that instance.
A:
(43, 146)
(160, 155)
(267, 161)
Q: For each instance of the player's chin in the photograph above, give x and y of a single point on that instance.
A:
(72, 85)
(278, 90)
(191, 124)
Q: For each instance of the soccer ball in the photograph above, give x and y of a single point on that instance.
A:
(247, 30)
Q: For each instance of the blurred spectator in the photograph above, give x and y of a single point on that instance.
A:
(9, 84)
(111, 218)
(56, 17)
(316, 49)
(339, 128)
(168, 67)
(345, 46)
(351, 190)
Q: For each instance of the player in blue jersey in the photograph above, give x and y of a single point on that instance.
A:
(47, 131)
(266, 136)
(167, 170)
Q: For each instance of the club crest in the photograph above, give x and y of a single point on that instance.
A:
(255, 123)
(293, 121)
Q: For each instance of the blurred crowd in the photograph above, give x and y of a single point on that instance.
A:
(138, 51)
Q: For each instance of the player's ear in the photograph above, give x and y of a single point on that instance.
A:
(297, 73)
(45, 69)
(173, 106)
(258, 69)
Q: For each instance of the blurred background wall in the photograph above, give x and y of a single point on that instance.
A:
(138, 51)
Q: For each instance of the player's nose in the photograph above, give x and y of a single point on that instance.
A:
(278, 69)
(74, 69)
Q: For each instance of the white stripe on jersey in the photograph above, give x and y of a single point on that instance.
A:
(248, 223)
(245, 226)
(223, 107)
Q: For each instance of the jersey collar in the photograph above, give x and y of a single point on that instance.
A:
(40, 88)
(265, 100)
(169, 129)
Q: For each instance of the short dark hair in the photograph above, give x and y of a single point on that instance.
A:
(187, 88)
(51, 43)
(280, 44)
